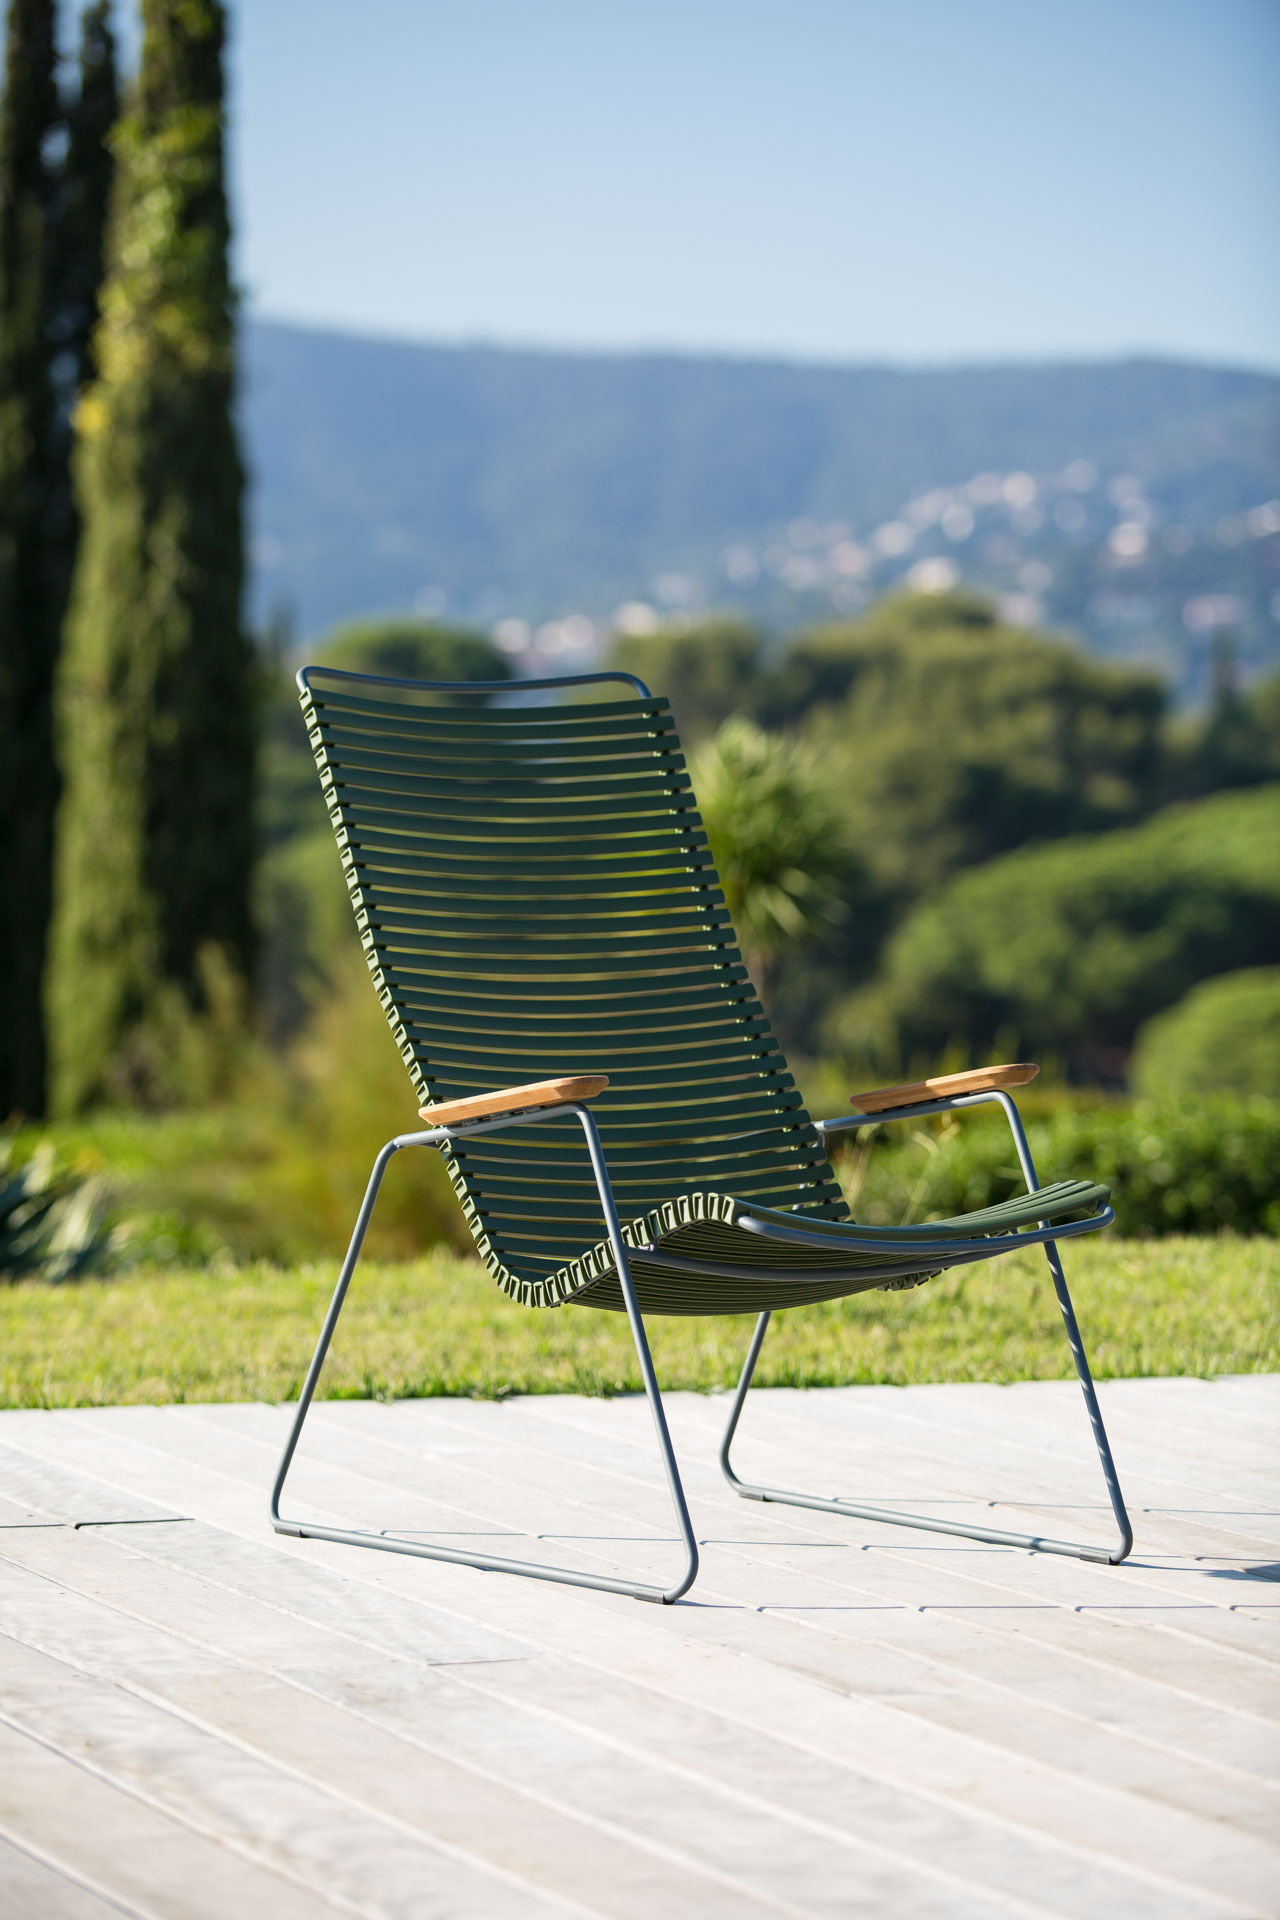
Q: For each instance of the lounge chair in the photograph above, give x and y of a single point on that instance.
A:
(547, 935)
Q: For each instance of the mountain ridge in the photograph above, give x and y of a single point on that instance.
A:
(493, 481)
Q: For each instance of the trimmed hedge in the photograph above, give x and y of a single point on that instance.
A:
(1222, 1037)
(1204, 1167)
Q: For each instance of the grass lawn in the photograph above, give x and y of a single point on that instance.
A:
(440, 1326)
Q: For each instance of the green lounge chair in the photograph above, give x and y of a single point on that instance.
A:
(541, 915)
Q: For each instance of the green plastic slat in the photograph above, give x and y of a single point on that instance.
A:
(497, 724)
(597, 968)
(552, 833)
(461, 892)
(545, 783)
(683, 863)
(669, 1001)
(402, 749)
(657, 1004)
(577, 821)
(437, 1045)
(613, 925)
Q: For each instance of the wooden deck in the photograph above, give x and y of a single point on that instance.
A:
(198, 1719)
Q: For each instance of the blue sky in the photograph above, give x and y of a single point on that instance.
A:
(904, 180)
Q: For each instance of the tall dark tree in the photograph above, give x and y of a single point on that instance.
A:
(87, 173)
(84, 192)
(28, 551)
(156, 720)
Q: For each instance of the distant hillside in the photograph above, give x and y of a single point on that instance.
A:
(497, 483)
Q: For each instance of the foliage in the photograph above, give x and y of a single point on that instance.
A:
(958, 739)
(273, 1163)
(29, 555)
(1202, 1167)
(156, 701)
(1235, 744)
(306, 929)
(51, 1216)
(1067, 949)
(341, 1094)
(412, 649)
(777, 837)
(821, 667)
(708, 669)
(85, 193)
(1223, 1037)
(302, 911)
(399, 646)
(440, 1326)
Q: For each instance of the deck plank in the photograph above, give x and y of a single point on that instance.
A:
(842, 1719)
(34, 1890)
(132, 1852)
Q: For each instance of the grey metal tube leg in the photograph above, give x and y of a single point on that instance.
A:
(494, 1563)
(992, 1535)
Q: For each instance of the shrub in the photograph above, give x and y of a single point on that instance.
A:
(1069, 948)
(51, 1224)
(964, 739)
(1224, 1037)
(412, 649)
(707, 668)
(1180, 1168)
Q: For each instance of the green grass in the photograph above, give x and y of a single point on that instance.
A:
(440, 1326)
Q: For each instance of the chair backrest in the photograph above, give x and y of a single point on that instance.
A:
(536, 897)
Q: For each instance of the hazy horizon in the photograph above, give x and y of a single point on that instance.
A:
(552, 349)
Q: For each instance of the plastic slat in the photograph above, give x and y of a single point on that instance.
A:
(552, 781)
(494, 722)
(684, 865)
(551, 834)
(397, 752)
(544, 925)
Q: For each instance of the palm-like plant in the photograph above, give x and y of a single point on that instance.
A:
(778, 838)
(51, 1225)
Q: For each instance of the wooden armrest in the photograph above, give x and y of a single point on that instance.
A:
(943, 1085)
(540, 1093)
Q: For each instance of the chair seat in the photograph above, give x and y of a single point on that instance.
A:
(710, 1253)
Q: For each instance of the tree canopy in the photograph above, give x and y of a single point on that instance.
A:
(959, 738)
(1067, 949)
(1222, 1037)
(708, 669)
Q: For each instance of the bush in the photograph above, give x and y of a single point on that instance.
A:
(1224, 1037)
(964, 739)
(1067, 949)
(707, 668)
(406, 648)
(51, 1215)
(276, 1172)
(1180, 1168)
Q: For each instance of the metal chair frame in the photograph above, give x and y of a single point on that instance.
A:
(950, 1253)
(439, 1137)
(1108, 1556)
(488, 1562)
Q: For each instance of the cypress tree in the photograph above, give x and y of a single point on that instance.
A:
(84, 191)
(28, 558)
(155, 698)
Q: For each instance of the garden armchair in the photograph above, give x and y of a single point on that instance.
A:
(544, 926)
